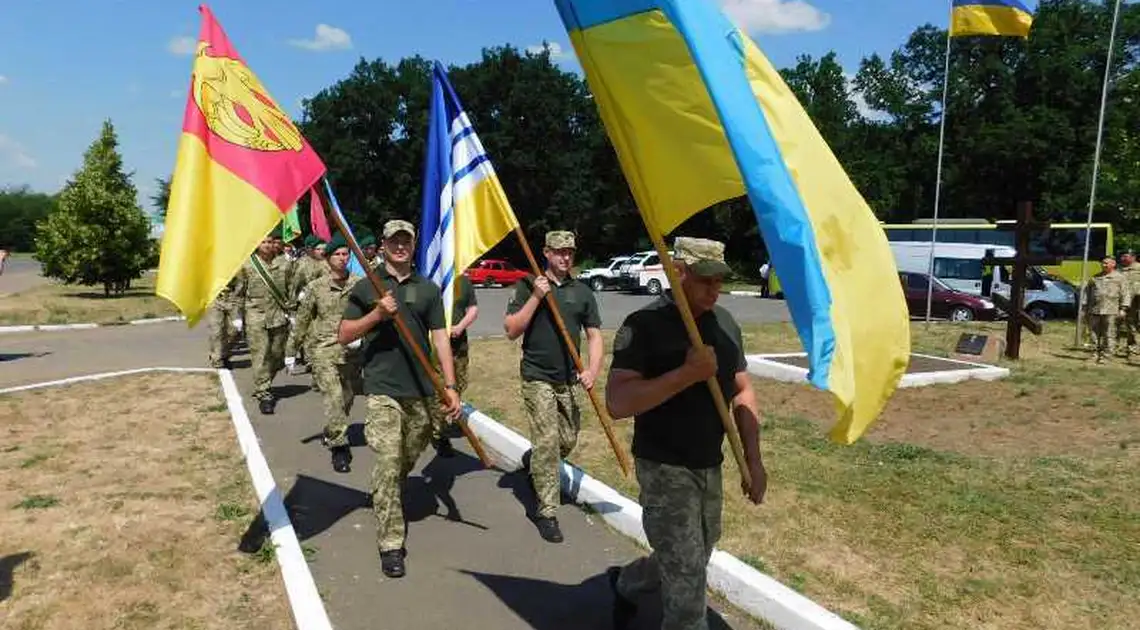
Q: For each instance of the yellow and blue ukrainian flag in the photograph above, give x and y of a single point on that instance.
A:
(465, 211)
(698, 115)
(990, 17)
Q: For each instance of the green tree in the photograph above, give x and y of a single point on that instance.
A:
(98, 234)
(20, 209)
(160, 199)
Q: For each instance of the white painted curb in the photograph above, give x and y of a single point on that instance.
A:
(60, 327)
(304, 599)
(308, 609)
(739, 583)
(764, 366)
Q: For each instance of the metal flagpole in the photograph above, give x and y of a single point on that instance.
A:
(1096, 169)
(938, 177)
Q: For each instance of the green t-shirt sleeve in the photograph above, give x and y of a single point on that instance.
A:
(359, 301)
(521, 295)
(593, 318)
(741, 360)
(435, 317)
(629, 347)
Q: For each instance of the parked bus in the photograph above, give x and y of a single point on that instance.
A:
(1066, 240)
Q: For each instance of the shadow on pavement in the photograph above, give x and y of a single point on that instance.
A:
(22, 355)
(551, 606)
(423, 494)
(314, 506)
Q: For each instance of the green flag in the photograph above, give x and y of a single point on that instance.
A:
(290, 226)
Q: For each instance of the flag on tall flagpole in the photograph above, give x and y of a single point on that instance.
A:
(698, 115)
(465, 210)
(990, 17)
(241, 166)
(290, 225)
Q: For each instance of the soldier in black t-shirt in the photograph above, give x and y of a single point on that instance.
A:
(548, 373)
(659, 378)
(399, 392)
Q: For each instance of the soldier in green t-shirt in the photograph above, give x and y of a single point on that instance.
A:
(548, 371)
(400, 394)
(659, 378)
(464, 311)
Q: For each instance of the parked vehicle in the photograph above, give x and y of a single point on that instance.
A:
(630, 273)
(945, 303)
(489, 272)
(602, 278)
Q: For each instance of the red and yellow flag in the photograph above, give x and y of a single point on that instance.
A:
(241, 167)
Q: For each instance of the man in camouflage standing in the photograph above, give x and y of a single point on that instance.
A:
(400, 393)
(335, 368)
(464, 311)
(225, 323)
(263, 290)
(1106, 297)
(658, 377)
(548, 371)
(1130, 323)
(309, 266)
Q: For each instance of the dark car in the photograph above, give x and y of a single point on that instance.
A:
(945, 303)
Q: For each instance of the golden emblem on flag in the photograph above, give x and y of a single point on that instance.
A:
(238, 108)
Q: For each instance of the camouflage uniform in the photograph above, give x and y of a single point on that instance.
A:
(219, 318)
(335, 368)
(306, 269)
(678, 448)
(1106, 297)
(400, 395)
(266, 322)
(550, 378)
(460, 347)
(1130, 324)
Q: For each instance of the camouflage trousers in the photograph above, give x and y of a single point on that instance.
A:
(267, 353)
(555, 420)
(397, 430)
(681, 512)
(1103, 331)
(339, 383)
(439, 421)
(223, 335)
(1129, 325)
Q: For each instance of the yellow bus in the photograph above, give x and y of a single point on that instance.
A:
(1066, 240)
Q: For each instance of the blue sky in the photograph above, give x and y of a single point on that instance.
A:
(66, 65)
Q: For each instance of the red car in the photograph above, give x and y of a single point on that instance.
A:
(491, 272)
(944, 302)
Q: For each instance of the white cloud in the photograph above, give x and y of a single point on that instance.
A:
(555, 49)
(182, 45)
(776, 16)
(13, 153)
(327, 38)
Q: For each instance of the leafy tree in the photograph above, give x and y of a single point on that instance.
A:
(161, 197)
(98, 234)
(20, 209)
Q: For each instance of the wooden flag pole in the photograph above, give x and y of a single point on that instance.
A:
(695, 338)
(408, 338)
(599, 408)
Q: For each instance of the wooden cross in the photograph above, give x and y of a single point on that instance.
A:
(1021, 263)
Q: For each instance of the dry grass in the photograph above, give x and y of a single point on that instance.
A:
(55, 303)
(121, 507)
(1007, 505)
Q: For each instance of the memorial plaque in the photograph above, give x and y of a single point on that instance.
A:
(978, 348)
(971, 344)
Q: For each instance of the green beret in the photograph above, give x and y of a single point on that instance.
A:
(312, 241)
(276, 233)
(367, 239)
(336, 243)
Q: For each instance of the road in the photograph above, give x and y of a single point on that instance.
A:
(20, 274)
(474, 559)
(614, 306)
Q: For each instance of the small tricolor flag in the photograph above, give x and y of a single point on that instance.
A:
(241, 166)
(990, 17)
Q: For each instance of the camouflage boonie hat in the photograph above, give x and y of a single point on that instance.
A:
(703, 256)
(560, 239)
(398, 225)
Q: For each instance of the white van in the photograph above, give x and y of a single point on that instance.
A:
(959, 266)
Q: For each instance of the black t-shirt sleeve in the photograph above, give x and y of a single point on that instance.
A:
(593, 318)
(359, 301)
(629, 346)
(741, 359)
(521, 295)
(435, 319)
